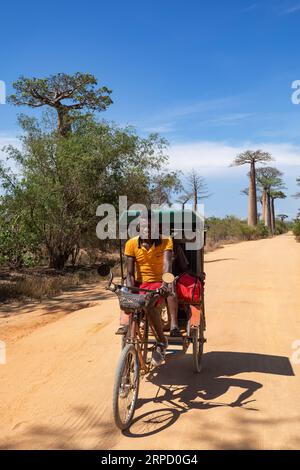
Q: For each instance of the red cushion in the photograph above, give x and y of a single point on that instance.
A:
(189, 289)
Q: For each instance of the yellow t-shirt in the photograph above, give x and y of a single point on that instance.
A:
(148, 263)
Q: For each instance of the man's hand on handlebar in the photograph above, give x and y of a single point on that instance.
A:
(165, 289)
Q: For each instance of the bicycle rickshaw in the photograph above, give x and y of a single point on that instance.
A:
(137, 343)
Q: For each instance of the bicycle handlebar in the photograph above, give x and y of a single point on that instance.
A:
(115, 287)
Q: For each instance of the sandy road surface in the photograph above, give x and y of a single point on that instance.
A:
(57, 383)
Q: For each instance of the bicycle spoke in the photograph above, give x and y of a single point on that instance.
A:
(127, 388)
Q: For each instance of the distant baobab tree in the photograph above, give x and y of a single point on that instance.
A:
(275, 195)
(197, 187)
(297, 195)
(250, 157)
(269, 181)
(184, 199)
(282, 217)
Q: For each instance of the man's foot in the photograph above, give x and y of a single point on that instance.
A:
(159, 353)
(122, 330)
(175, 333)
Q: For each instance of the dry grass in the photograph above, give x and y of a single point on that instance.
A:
(42, 282)
(38, 287)
(212, 245)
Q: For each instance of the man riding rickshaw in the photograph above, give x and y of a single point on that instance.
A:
(162, 268)
(149, 255)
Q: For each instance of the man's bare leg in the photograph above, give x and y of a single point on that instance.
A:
(124, 322)
(158, 354)
(173, 310)
(156, 323)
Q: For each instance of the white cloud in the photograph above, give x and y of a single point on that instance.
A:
(215, 157)
(167, 118)
(251, 7)
(160, 128)
(198, 107)
(232, 118)
(293, 9)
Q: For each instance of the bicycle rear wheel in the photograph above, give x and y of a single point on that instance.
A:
(126, 387)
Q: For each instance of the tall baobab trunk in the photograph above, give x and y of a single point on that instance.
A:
(268, 212)
(64, 122)
(252, 200)
(273, 223)
(264, 205)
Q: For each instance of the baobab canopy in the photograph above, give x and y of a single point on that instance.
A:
(63, 92)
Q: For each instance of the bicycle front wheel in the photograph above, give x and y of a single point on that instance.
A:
(126, 387)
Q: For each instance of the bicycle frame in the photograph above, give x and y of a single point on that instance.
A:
(138, 338)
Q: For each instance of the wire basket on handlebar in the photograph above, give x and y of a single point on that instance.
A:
(131, 302)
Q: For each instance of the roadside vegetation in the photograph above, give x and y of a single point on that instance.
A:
(70, 161)
(296, 229)
(296, 225)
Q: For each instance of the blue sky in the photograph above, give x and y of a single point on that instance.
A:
(214, 78)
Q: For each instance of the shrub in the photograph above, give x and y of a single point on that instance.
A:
(262, 231)
(281, 227)
(233, 229)
(296, 228)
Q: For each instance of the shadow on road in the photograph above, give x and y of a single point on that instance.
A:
(220, 259)
(182, 390)
(72, 299)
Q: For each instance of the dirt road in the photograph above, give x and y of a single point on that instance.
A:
(56, 386)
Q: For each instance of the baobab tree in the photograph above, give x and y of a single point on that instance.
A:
(297, 195)
(269, 181)
(66, 94)
(273, 196)
(250, 157)
(245, 192)
(184, 199)
(196, 187)
(282, 217)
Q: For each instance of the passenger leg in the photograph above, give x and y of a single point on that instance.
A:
(158, 355)
(124, 322)
(173, 309)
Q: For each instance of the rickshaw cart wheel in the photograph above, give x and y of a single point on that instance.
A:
(197, 334)
(126, 387)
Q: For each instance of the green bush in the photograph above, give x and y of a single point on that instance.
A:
(262, 231)
(281, 227)
(233, 229)
(296, 228)
(18, 246)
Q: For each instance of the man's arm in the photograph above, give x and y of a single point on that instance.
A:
(130, 281)
(167, 261)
